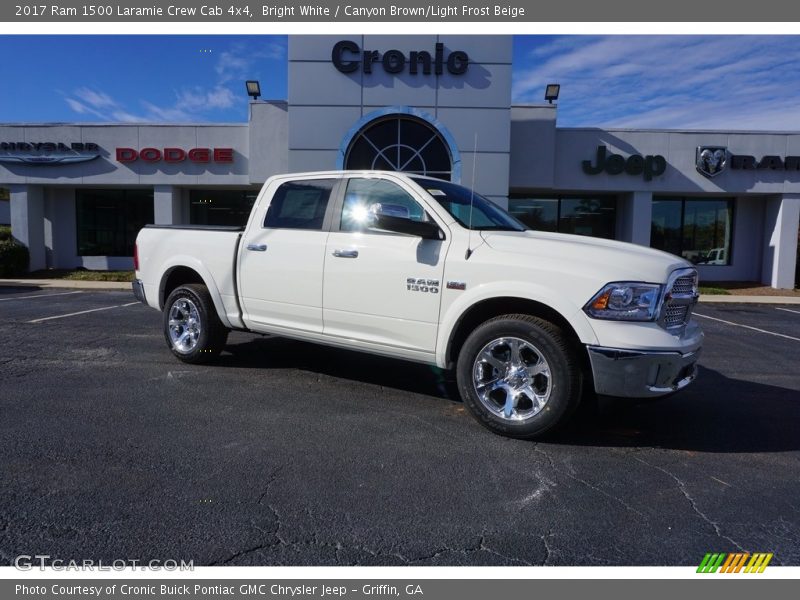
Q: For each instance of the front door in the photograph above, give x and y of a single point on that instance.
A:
(380, 287)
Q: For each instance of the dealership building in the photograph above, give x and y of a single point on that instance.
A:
(77, 194)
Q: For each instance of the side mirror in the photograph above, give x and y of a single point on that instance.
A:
(425, 230)
(390, 210)
(396, 218)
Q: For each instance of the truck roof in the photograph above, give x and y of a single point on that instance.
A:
(340, 172)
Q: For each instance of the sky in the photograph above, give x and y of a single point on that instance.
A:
(693, 82)
(137, 78)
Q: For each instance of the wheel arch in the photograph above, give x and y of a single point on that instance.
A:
(488, 308)
(180, 274)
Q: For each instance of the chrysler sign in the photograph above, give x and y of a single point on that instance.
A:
(47, 153)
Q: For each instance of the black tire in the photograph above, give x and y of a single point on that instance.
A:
(206, 345)
(556, 383)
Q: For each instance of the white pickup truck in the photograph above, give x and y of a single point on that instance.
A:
(422, 269)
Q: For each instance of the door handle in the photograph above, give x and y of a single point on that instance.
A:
(257, 247)
(346, 253)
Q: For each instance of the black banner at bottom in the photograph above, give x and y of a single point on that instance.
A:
(367, 589)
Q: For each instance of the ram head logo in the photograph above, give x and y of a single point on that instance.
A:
(711, 160)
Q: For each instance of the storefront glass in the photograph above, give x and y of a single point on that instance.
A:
(698, 230)
(5, 206)
(593, 216)
(108, 221)
(220, 207)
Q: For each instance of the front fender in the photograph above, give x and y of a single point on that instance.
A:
(467, 299)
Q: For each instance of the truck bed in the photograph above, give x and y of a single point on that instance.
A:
(210, 250)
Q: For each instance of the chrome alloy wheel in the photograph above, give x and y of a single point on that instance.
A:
(512, 378)
(184, 325)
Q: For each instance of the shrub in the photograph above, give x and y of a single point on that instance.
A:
(5, 233)
(14, 258)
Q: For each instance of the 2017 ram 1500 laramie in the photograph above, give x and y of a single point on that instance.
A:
(426, 270)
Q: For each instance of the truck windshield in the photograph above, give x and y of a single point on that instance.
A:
(460, 202)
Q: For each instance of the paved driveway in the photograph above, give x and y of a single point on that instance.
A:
(289, 453)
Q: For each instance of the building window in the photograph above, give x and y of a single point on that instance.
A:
(400, 143)
(221, 207)
(698, 230)
(5, 206)
(594, 216)
(108, 221)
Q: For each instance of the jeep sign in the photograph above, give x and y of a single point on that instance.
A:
(650, 166)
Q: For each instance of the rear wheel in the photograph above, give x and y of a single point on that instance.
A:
(519, 376)
(192, 328)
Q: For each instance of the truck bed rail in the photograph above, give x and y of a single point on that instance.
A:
(229, 228)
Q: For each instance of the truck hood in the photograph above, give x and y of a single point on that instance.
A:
(608, 260)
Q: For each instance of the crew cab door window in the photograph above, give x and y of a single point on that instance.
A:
(299, 205)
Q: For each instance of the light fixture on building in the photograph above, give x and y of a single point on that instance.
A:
(253, 88)
(551, 92)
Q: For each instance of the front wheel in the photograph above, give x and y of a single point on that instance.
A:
(192, 328)
(519, 376)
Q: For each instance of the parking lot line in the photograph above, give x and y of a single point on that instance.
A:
(39, 296)
(797, 312)
(788, 337)
(81, 312)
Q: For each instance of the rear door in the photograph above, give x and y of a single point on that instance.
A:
(282, 257)
(382, 287)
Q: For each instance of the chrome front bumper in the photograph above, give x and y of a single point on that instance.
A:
(641, 374)
(138, 291)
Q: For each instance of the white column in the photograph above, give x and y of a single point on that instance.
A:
(65, 229)
(780, 240)
(167, 205)
(634, 217)
(27, 221)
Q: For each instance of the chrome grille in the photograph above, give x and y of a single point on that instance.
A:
(683, 286)
(676, 315)
(681, 296)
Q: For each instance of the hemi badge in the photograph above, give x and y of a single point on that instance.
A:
(456, 285)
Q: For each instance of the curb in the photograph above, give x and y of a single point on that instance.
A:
(66, 283)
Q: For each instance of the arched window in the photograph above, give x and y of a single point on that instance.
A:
(400, 143)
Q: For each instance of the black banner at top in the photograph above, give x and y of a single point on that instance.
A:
(359, 11)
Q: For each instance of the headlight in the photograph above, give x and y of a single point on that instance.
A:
(625, 301)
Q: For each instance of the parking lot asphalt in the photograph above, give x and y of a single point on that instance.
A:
(289, 453)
